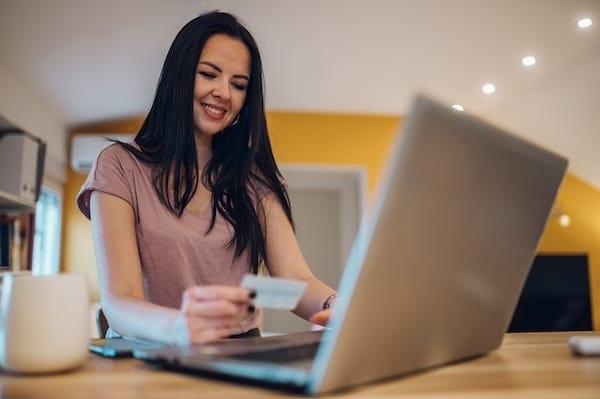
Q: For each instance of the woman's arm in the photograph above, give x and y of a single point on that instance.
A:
(284, 258)
(207, 313)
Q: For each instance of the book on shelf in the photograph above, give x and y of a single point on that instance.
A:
(5, 244)
(16, 241)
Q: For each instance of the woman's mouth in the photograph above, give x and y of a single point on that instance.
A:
(213, 112)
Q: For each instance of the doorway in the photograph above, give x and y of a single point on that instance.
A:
(327, 205)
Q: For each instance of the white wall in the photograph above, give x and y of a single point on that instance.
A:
(26, 109)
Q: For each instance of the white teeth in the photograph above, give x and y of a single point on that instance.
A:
(213, 110)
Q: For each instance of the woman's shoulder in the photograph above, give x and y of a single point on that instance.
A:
(262, 187)
(112, 173)
(117, 151)
(122, 156)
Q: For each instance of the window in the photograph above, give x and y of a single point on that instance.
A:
(46, 240)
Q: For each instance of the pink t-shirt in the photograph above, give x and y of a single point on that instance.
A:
(174, 252)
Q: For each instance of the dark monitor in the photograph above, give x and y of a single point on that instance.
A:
(556, 296)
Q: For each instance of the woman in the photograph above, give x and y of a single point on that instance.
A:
(180, 215)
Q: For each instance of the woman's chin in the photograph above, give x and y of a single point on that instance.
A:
(208, 131)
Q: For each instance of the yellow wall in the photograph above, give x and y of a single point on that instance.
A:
(77, 250)
(581, 202)
(349, 140)
(333, 139)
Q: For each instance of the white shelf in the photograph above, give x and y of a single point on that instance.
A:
(9, 202)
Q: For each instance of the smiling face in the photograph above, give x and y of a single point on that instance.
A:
(222, 78)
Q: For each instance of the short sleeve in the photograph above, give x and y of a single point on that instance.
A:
(111, 173)
(261, 190)
(259, 187)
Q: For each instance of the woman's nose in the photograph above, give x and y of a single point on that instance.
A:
(222, 91)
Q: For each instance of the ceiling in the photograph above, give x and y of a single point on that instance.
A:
(97, 60)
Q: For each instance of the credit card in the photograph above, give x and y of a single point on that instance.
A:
(273, 292)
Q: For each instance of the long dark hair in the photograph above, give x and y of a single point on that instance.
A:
(242, 164)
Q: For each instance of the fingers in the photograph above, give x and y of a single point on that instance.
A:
(213, 292)
(321, 318)
(216, 308)
(209, 313)
(199, 330)
(196, 324)
(213, 334)
(217, 301)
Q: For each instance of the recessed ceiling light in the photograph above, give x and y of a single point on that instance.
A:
(458, 107)
(584, 23)
(529, 60)
(564, 220)
(488, 88)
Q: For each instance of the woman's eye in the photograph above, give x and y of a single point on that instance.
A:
(239, 86)
(208, 75)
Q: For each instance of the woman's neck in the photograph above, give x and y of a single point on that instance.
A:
(203, 149)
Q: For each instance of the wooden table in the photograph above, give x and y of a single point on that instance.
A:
(537, 365)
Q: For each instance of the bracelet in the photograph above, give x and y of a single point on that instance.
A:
(328, 301)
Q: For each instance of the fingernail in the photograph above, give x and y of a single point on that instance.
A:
(252, 294)
(251, 308)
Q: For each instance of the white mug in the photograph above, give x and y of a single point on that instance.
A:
(44, 322)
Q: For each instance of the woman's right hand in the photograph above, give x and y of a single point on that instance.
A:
(210, 313)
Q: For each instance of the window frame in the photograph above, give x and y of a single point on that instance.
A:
(55, 189)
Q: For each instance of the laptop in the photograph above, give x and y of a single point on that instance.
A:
(435, 271)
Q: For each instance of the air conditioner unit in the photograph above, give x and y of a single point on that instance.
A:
(86, 147)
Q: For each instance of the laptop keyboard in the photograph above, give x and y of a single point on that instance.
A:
(282, 355)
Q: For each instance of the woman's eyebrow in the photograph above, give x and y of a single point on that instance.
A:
(218, 69)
